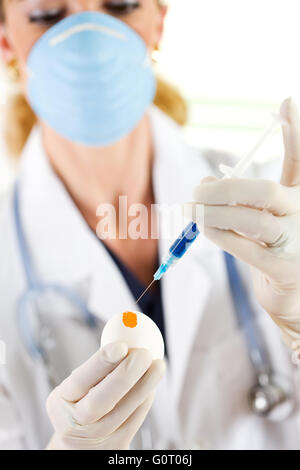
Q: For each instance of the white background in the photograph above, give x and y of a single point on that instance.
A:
(235, 61)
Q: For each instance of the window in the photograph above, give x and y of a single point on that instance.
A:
(234, 61)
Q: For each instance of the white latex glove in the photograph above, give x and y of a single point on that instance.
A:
(103, 403)
(259, 222)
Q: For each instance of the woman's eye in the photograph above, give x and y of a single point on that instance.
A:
(119, 7)
(47, 17)
(51, 16)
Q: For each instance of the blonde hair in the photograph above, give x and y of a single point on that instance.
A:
(170, 101)
(20, 118)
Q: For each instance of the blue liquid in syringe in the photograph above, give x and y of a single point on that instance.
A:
(178, 249)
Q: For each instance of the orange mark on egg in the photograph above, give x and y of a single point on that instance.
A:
(130, 319)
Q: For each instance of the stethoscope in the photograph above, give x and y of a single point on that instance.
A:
(271, 397)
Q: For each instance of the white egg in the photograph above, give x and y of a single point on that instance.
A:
(136, 330)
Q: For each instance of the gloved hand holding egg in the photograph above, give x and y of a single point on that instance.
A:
(103, 403)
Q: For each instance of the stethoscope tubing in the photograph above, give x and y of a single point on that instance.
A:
(35, 288)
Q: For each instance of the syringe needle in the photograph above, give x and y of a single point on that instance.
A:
(145, 291)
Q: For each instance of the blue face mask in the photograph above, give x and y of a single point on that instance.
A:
(90, 78)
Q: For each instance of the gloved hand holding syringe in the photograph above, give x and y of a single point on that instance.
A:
(191, 231)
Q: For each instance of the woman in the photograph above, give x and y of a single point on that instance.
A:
(82, 155)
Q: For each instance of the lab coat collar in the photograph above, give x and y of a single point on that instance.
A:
(77, 256)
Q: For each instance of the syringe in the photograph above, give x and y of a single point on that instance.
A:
(191, 232)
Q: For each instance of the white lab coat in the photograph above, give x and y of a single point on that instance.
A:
(202, 401)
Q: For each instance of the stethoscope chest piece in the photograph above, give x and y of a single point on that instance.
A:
(272, 397)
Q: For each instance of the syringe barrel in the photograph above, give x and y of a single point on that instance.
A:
(178, 249)
(184, 241)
